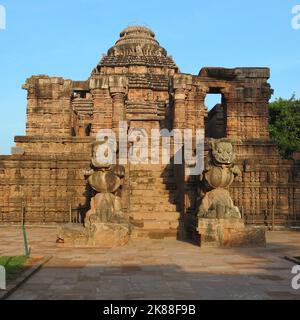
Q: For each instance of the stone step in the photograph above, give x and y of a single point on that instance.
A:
(152, 207)
(165, 200)
(150, 174)
(149, 202)
(153, 195)
(157, 187)
(152, 191)
(154, 234)
(152, 180)
(155, 168)
(155, 215)
(156, 224)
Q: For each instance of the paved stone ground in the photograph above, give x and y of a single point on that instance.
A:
(156, 269)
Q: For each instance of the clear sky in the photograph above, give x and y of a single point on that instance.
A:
(67, 38)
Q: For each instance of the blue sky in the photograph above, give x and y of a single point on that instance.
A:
(67, 38)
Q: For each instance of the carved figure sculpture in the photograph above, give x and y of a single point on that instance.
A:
(104, 224)
(218, 174)
(106, 180)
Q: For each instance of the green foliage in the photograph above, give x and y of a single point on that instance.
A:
(13, 265)
(284, 125)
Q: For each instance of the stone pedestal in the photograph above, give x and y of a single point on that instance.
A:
(229, 233)
(103, 235)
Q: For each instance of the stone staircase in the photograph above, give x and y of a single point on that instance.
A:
(153, 210)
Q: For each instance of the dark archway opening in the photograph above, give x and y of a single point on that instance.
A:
(215, 123)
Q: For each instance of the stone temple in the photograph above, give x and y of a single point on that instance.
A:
(139, 83)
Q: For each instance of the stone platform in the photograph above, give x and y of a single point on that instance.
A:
(104, 235)
(229, 233)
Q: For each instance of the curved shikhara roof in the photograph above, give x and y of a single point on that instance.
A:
(137, 46)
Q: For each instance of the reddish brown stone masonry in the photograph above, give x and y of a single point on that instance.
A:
(139, 83)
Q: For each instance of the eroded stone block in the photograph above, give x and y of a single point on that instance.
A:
(230, 233)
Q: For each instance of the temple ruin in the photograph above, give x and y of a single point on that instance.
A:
(138, 82)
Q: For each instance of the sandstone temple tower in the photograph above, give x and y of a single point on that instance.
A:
(139, 83)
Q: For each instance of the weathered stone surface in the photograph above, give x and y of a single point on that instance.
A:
(109, 234)
(104, 224)
(73, 234)
(230, 233)
(148, 269)
(17, 150)
(104, 235)
(219, 220)
(218, 174)
(106, 180)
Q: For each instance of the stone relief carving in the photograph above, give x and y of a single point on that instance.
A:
(139, 50)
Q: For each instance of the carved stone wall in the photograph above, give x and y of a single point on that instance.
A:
(46, 187)
(268, 185)
(48, 106)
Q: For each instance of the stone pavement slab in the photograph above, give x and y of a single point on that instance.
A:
(155, 269)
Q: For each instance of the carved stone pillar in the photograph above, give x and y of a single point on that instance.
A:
(179, 108)
(246, 107)
(101, 112)
(118, 88)
(118, 107)
(181, 86)
(201, 110)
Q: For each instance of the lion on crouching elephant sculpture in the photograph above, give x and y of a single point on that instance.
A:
(218, 174)
(106, 180)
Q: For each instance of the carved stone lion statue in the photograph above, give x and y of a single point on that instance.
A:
(218, 174)
(106, 179)
(104, 224)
